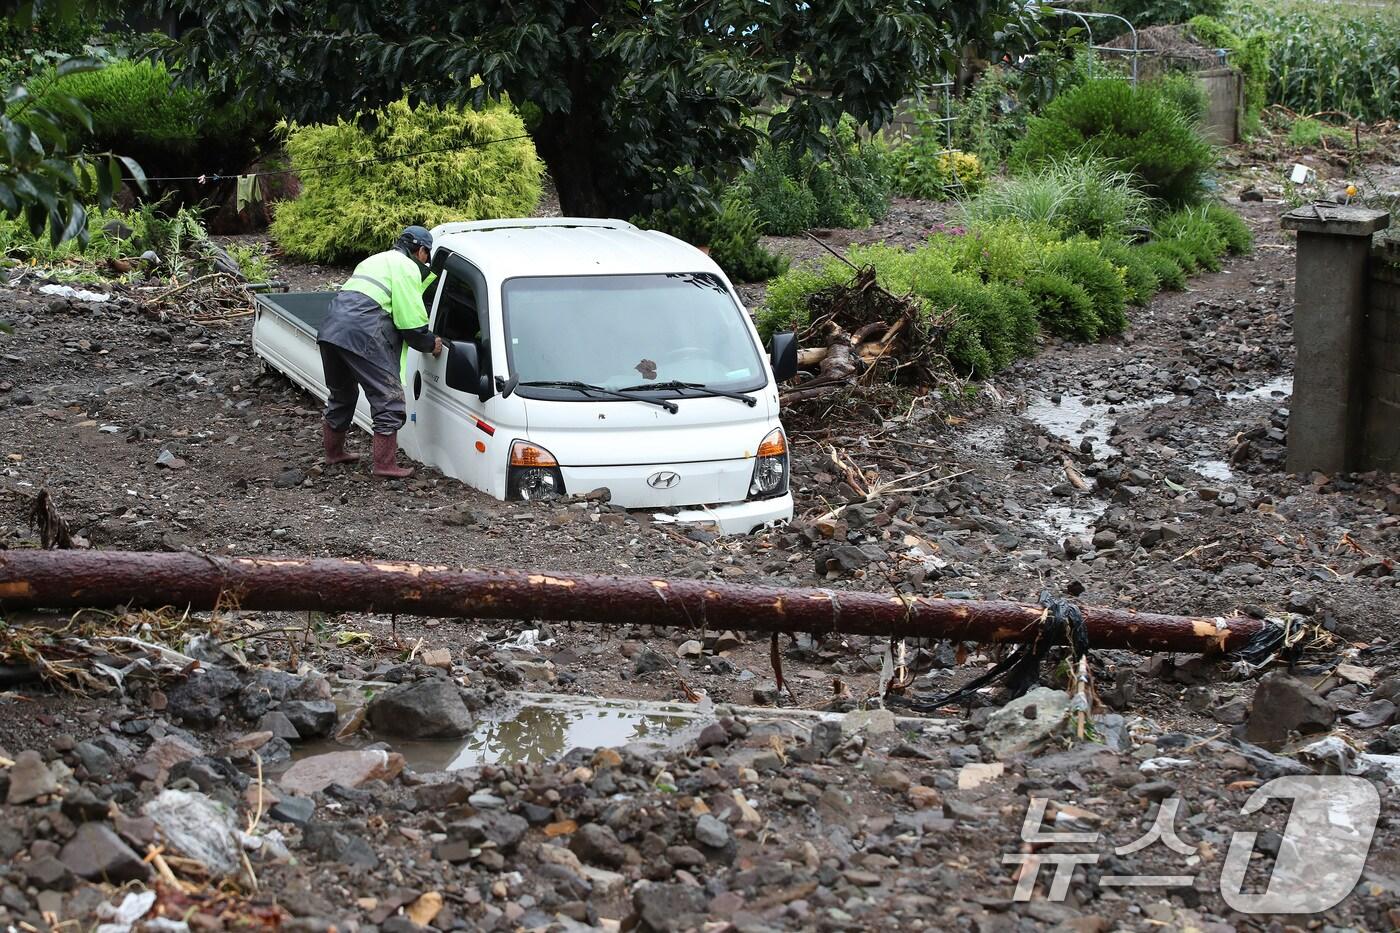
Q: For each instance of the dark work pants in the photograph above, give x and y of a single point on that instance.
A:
(346, 374)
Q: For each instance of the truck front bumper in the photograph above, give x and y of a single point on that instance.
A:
(735, 518)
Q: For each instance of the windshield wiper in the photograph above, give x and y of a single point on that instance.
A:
(588, 387)
(748, 400)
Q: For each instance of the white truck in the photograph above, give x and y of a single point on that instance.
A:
(581, 354)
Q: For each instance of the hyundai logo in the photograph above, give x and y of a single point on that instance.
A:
(663, 480)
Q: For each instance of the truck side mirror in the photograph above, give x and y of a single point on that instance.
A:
(464, 369)
(783, 350)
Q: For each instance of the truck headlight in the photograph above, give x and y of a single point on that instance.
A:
(770, 469)
(534, 473)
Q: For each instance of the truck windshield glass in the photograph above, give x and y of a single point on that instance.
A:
(629, 330)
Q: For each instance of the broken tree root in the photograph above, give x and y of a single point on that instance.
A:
(76, 579)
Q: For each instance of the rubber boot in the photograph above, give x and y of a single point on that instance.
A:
(334, 443)
(386, 447)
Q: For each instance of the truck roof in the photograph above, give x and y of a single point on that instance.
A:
(508, 248)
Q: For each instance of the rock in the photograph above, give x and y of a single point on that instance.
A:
(596, 842)
(648, 661)
(94, 759)
(312, 719)
(711, 832)
(690, 649)
(1157, 534)
(892, 779)
(201, 699)
(96, 853)
(289, 809)
(1284, 704)
(497, 827)
(48, 873)
(440, 658)
(168, 460)
(711, 735)
(82, 805)
(165, 753)
(30, 779)
(196, 827)
(923, 797)
(1026, 722)
(868, 721)
(975, 774)
(332, 845)
(288, 478)
(428, 709)
(1375, 713)
(669, 908)
(842, 559)
(1232, 712)
(350, 768)
(278, 726)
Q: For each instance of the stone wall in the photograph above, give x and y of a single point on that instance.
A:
(1381, 408)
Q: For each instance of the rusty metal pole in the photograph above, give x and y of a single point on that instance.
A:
(106, 579)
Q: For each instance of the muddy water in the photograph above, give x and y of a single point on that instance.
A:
(539, 728)
(1075, 418)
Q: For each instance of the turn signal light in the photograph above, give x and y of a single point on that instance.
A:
(525, 454)
(774, 445)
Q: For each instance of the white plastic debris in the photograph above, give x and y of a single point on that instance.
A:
(1332, 755)
(528, 640)
(198, 828)
(1155, 765)
(1301, 174)
(121, 916)
(68, 291)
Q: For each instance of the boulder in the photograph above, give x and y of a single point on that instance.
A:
(97, 853)
(428, 709)
(1285, 704)
(1026, 722)
(350, 768)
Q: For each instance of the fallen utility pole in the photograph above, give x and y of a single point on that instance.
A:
(108, 579)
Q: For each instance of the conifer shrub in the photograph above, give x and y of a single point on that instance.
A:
(1136, 128)
(1065, 309)
(348, 211)
(1239, 239)
(792, 190)
(1139, 273)
(1080, 262)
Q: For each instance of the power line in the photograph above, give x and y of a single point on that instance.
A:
(211, 177)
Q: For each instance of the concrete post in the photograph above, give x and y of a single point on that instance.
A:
(1329, 333)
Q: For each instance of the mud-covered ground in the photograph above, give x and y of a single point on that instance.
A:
(1144, 472)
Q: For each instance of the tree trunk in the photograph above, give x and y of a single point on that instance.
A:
(105, 579)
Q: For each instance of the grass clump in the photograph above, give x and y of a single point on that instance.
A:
(1071, 195)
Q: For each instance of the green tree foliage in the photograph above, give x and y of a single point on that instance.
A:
(349, 210)
(731, 235)
(627, 92)
(1250, 56)
(45, 176)
(1186, 93)
(1134, 127)
(1143, 13)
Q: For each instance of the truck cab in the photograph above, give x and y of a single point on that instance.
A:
(584, 354)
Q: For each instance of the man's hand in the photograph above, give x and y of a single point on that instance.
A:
(437, 346)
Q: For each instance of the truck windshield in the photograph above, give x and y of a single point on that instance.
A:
(629, 331)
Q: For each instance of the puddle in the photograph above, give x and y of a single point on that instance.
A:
(1071, 520)
(1075, 418)
(1274, 390)
(540, 728)
(1214, 469)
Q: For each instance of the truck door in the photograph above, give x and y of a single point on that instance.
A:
(452, 427)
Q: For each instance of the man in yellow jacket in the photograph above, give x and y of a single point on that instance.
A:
(377, 314)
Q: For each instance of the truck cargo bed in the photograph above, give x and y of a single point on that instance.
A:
(306, 310)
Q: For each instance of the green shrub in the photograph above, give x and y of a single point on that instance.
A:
(1064, 308)
(1166, 267)
(1236, 233)
(1071, 196)
(731, 234)
(792, 190)
(139, 111)
(1250, 55)
(928, 171)
(1308, 133)
(1184, 92)
(1181, 254)
(1139, 273)
(1135, 128)
(1194, 230)
(345, 212)
(1080, 262)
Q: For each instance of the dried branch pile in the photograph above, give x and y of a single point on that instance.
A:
(860, 335)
